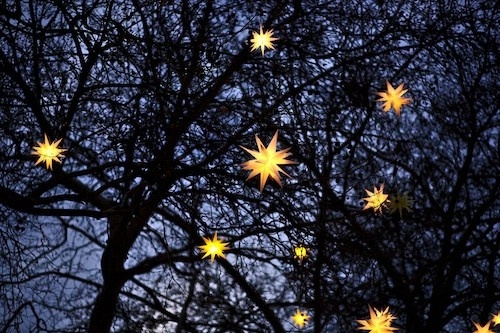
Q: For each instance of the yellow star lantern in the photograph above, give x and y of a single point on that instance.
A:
(300, 318)
(483, 329)
(262, 40)
(399, 202)
(48, 152)
(300, 252)
(393, 98)
(266, 161)
(496, 319)
(213, 247)
(379, 322)
(376, 199)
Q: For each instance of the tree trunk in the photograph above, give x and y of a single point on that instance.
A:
(112, 261)
(105, 306)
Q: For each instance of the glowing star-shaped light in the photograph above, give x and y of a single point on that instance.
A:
(483, 329)
(262, 40)
(300, 318)
(379, 322)
(266, 161)
(213, 247)
(48, 152)
(376, 199)
(300, 252)
(496, 319)
(399, 202)
(393, 98)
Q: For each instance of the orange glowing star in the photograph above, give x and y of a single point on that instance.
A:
(483, 329)
(376, 199)
(399, 202)
(266, 161)
(379, 322)
(213, 247)
(300, 252)
(393, 98)
(48, 152)
(262, 40)
(300, 318)
(496, 319)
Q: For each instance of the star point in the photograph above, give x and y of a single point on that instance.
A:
(262, 40)
(300, 252)
(213, 247)
(400, 202)
(379, 322)
(393, 98)
(48, 152)
(267, 161)
(300, 318)
(376, 199)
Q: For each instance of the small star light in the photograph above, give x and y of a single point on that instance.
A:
(379, 322)
(48, 152)
(399, 202)
(213, 247)
(262, 40)
(266, 161)
(483, 329)
(376, 199)
(300, 252)
(300, 318)
(496, 319)
(393, 98)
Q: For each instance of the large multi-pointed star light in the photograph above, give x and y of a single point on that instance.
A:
(379, 322)
(496, 319)
(262, 40)
(483, 329)
(266, 162)
(48, 152)
(300, 318)
(393, 98)
(213, 247)
(375, 199)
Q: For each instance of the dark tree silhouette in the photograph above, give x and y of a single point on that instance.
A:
(153, 101)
